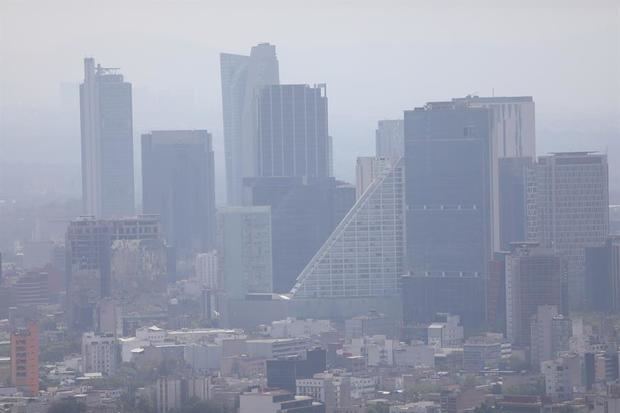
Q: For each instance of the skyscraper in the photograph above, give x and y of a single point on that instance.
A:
(107, 142)
(513, 205)
(179, 186)
(569, 198)
(448, 192)
(512, 135)
(292, 135)
(389, 139)
(244, 245)
(364, 255)
(533, 279)
(367, 169)
(242, 77)
(304, 212)
(603, 276)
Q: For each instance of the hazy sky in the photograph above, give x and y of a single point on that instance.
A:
(377, 58)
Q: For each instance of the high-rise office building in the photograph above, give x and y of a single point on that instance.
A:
(107, 142)
(390, 139)
(292, 135)
(364, 255)
(245, 250)
(89, 260)
(242, 77)
(569, 196)
(367, 169)
(512, 135)
(603, 276)
(513, 205)
(179, 185)
(304, 212)
(533, 279)
(448, 192)
(25, 358)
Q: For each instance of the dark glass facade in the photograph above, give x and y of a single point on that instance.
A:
(178, 185)
(292, 131)
(447, 164)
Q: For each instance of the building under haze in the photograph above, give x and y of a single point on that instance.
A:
(292, 135)
(179, 186)
(367, 169)
(533, 279)
(242, 77)
(304, 212)
(512, 135)
(569, 199)
(364, 255)
(107, 142)
(448, 192)
(603, 276)
(89, 244)
(245, 250)
(389, 139)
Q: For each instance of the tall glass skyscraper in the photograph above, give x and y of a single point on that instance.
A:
(178, 184)
(242, 78)
(107, 142)
(449, 218)
(292, 131)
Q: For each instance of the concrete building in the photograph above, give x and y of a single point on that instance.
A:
(569, 199)
(364, 255)
(245, 246)
(30, 289)
(178, 184)
(561, 376)
(292, 135)
(445, 331)
(100, 353)
(292, 328)
(367, 169)
(88, 245)
(483, 353)
(273, 348)
(207, 270)
(333, 389)
(107, 142)
(172, 393)
(533, 278)
(242, 78)
(389, 139)
(277, 401)
(25, 359)
(550, 334)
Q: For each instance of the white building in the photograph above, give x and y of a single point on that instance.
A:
(277, 347)
(447, 333)
(292, 327)
(242, 77)
(100, 353)
(205, 266)
(276, 401)
(378, 350)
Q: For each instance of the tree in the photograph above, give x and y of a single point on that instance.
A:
(67, 406)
